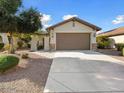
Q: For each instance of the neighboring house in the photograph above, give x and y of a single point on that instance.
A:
(73, 34)
(117, 35)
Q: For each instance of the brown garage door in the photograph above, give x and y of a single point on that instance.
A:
(72, 41)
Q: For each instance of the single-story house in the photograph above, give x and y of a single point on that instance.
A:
(117, 35)
(73, 34)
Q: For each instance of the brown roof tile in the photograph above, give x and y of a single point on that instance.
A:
(114, 32)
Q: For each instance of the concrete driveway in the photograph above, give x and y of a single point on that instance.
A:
(85, 72)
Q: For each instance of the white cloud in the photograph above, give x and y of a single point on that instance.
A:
(99, 32)
(45, 20)
(46, 25)
(65, 17)
(119, 19)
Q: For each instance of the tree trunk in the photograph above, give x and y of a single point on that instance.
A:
(11, 48)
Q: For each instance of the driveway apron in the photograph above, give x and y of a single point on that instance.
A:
(85, 72)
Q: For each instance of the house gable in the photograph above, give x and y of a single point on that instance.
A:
(73, 27)
(73, 20)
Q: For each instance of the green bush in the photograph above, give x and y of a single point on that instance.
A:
(1, 45)
(26, 38)
(102, 45)
(7, 47)
(119, 46)
(7, 62)
(103, 42)
(20, 44)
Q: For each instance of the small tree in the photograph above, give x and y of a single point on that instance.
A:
(10, 6)
(8, 19)
(27, 21)
(103, 42)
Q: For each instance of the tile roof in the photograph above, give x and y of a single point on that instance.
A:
(114, 32)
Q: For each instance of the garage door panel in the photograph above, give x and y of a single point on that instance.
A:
(72, 41)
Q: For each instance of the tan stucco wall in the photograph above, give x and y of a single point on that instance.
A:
(34, 41)
(68, 28)
(40, 40)
(46, 43)
(4, 38)
(118, 39)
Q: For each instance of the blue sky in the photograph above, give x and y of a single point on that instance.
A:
(107, 14)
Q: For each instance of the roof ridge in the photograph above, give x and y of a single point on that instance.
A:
(115, 28)
(114, 32)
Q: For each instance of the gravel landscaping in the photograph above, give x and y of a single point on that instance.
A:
(29, 77)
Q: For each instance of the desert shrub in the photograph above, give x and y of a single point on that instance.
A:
(1, 45)
(6, 47)
(103, 42)
(26, 38)
(25, 45)
(20, 44)
(25, 55)
(119, 46)
(7, 62)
